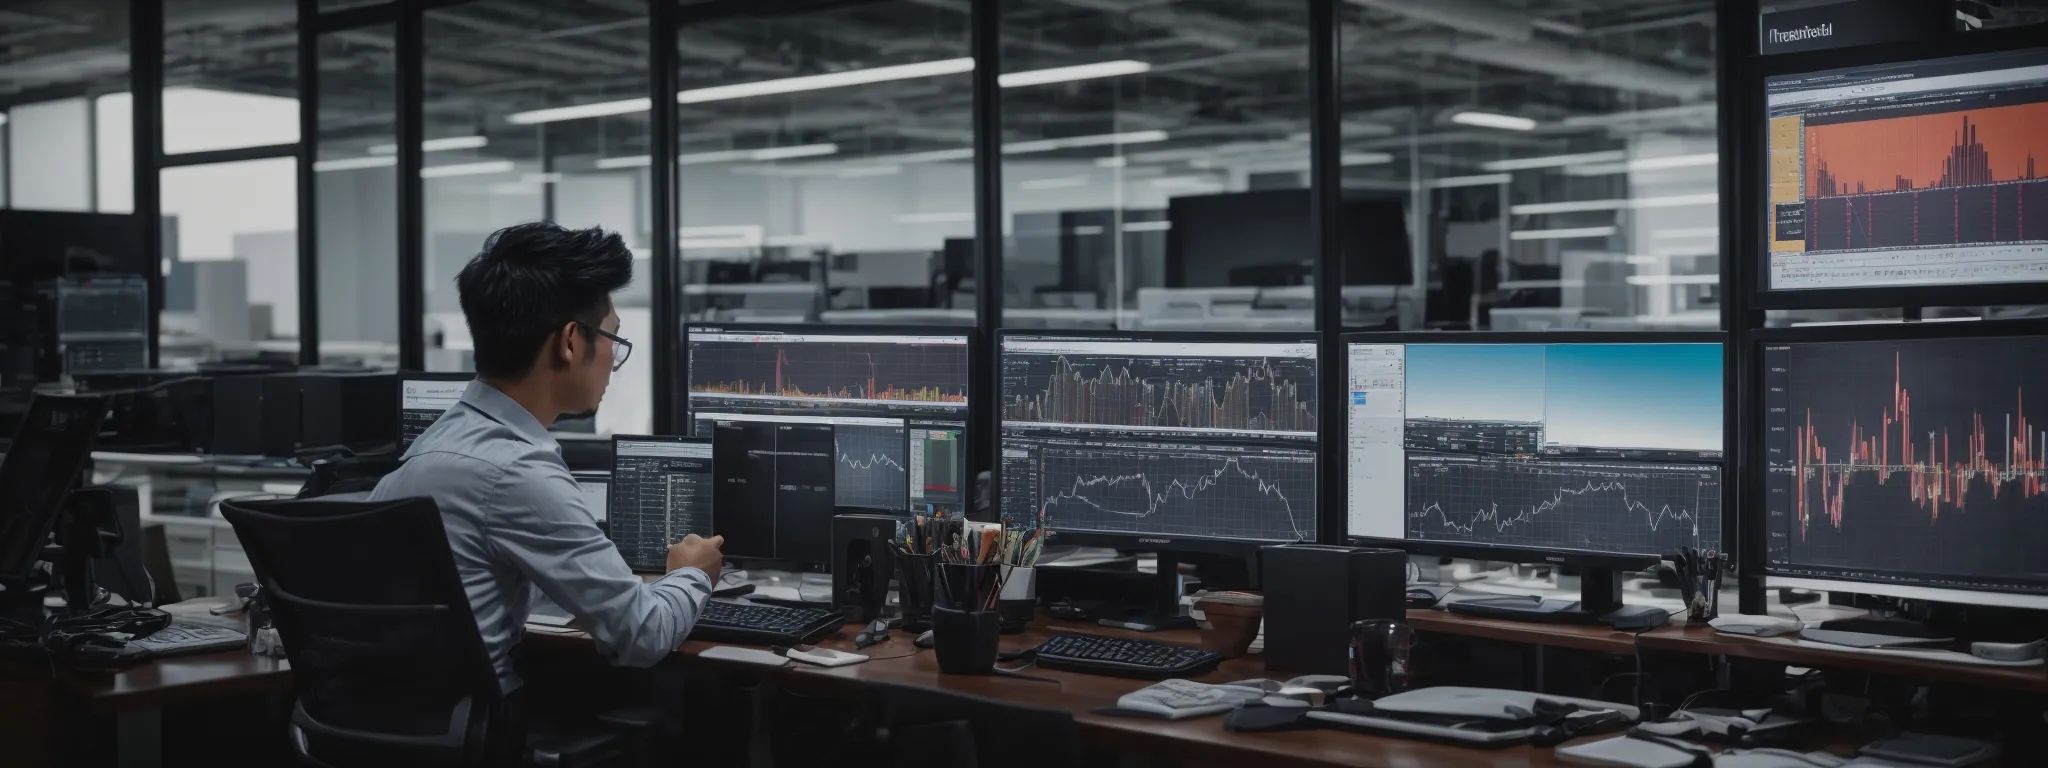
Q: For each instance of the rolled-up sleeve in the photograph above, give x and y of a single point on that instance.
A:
(540, 524)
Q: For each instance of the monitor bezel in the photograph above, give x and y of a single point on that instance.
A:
(1154, 542)
(1748, 239)
(1572, 557)
(612, 486)
(1755, 473)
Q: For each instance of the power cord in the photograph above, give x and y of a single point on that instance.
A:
(92, 639)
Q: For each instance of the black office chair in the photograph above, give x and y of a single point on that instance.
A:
(388, 665)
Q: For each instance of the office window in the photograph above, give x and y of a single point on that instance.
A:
(230, 75)
(237, 253)
(51, 98)
(355, 195)
(511, 137)
(1155, 165)
(826, 165)
(1554, 165)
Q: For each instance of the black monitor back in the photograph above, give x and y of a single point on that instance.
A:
(1213, 236)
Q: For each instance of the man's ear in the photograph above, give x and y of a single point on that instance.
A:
(565, 348)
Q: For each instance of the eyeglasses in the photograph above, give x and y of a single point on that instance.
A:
(621, 348)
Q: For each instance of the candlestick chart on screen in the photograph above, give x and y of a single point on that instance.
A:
(1917, 455)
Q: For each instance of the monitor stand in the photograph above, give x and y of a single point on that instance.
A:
(1164, 610)
(1599, 603)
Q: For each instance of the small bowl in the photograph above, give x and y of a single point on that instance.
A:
(1231, 629)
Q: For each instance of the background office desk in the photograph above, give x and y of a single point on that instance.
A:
(1597, 638)
(1200, 741)
(1704, 640)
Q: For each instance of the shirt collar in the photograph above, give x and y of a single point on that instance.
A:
(501, 408)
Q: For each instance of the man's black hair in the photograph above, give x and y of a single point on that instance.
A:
(531, 279)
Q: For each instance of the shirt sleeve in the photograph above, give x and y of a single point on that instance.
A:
(540, 523)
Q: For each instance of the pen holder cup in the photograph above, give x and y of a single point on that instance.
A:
(914, 590)
(963, 587)
(1018, 603)
(965, 641)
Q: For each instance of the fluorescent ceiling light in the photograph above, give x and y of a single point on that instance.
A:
(1185, 182)
(1366, 158)
(1112, 162)
(1674, 279)
(1481, 180)
(1683, 233)
(1075, 142)
(768, 153)
(944, 217)
(1491, 120)
(1147, 226)
(1647, 164)
(931, 156)
(1553, 161)
(435, 145)
(541, 178)
(353, 163)
(827, 80)
(869, 171)
(1077, 72)
(1669, 201)
(466, 169)
(3, 118)
(579, 111)
(628, 161)
(1061, 182)
(1561, 234)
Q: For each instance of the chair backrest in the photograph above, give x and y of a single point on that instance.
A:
(386, 656)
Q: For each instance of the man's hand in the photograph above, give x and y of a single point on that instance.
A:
(698, 552)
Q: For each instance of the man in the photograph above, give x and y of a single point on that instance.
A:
(538, 302)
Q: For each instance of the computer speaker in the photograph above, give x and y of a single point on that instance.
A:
(1313, 594)
(861, 563)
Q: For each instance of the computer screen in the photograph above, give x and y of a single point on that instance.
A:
(829, 371)
(422, 398)
(1600, 448)
(42, 464)
(1910, 466)
(773, 479)
(1161, 436)
(661, 490)
(1920, 173)
(869, 469)
(938, 464)
(1218, 241)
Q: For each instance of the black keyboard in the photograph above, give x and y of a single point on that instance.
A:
(756, 624)
(1122, 657)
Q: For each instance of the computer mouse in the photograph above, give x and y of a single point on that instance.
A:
(923, 640)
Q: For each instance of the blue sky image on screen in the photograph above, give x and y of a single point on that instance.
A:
(1664, 396)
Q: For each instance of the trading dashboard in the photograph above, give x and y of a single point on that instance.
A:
(829, 373)
(661, 490)
(1910, 461)
(938, 463)
(1604, 447)
(421, 403)
(1161, 437)
(870, 467)
(774, 481)
(1909, 174)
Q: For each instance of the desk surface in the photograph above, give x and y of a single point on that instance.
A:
(1197, 741)
(1598, 638)
(1704, 640)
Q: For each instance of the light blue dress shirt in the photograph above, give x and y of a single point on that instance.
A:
(516, 521)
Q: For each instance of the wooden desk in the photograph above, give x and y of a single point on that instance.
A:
(1704, 640)
(1199, 741)
(175, 680)
(1585, 637)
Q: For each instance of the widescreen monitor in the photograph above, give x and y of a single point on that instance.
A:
(1907, 462)
(1161, 441)
(1916, 174)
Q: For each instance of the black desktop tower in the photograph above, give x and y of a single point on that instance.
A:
(347, 409)
(1313, 594)
(862, 563)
